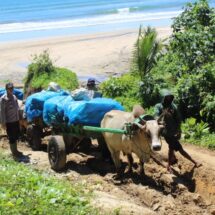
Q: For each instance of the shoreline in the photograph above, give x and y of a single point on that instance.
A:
(98, 55)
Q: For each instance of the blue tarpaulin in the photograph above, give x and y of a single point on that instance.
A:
(90, 112)
(17, 92)
(35, 102)
(59, 107)
(53, 112)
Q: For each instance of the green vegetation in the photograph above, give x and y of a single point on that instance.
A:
(133, 88)
(190, 58)
(124, 89)
(185, 65)
(146, 51)
(42, 71)
(198, 133)
(27, 191)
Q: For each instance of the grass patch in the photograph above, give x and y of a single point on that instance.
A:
(207, 141)
(27, 191)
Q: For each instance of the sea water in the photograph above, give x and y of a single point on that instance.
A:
(27, 19)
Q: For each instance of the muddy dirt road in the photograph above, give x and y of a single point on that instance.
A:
(188, 191)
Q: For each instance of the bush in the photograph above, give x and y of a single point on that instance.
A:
(198, 133)
(194, 130)
(196, 94)
(64, 77)
(42, 71)
(124, 89)
(150, 91)
(187, 67)
(193, 35)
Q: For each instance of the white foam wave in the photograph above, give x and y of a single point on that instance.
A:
(101, 20)
(123, 10)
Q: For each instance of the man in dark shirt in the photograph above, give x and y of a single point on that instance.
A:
(92, 89)
(9, 118)
(170, 115)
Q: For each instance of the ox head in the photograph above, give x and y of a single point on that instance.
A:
(152, 130)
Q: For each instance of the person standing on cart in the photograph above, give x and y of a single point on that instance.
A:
(92, 89)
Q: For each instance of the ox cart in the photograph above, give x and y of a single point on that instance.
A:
(64, 141)
(71, 123)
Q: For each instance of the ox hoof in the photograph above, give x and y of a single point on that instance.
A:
(119, 173)
(141, 171)
(129, 170)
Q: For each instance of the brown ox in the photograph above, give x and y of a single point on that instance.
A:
(145, 138)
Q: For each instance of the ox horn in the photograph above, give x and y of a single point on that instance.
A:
(160, 121)
(139, 125)
(142, 120)
(160, 118)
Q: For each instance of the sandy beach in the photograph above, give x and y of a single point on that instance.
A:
(97, 55)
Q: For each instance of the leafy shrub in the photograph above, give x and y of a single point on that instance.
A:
(196, 94)
(150, 91)
(127, 102)
(41, 71)
(64, 77)
(192, 129)
(187, 66)
(198, 133)
(124, 89)
(193, 35)
(208, 110)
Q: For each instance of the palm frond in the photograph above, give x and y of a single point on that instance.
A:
(146, 50)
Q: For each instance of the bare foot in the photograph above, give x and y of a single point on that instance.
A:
(197, 165)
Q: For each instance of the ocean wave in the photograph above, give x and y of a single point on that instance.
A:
(123, 10)
(122, 17)
(166, 6)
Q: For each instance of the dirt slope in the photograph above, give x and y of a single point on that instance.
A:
(188, 191)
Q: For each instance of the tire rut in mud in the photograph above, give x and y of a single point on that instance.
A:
(163, 193)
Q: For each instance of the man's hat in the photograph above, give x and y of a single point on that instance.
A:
(9, 86)
(91, 81)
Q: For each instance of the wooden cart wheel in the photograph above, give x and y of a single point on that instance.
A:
(57, 153)
(34, 134)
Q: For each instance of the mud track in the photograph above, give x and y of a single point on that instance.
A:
(188, 191)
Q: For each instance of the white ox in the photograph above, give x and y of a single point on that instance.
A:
(145, 138)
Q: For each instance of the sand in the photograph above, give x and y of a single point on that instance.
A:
(98, 55)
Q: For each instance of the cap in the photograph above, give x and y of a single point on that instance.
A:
(91, 81)
(9, 86)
